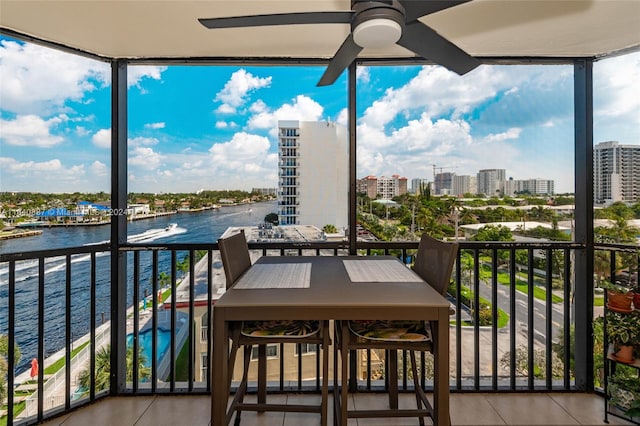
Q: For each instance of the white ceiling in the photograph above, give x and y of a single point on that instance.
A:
(169, 29)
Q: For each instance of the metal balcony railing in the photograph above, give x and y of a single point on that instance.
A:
(511, 330)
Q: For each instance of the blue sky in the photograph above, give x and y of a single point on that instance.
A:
(197, 127)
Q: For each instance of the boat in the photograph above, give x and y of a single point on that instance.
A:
(151, 233)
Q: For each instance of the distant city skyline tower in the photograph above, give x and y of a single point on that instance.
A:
(313, 178)
(490, 181)
(616, 172)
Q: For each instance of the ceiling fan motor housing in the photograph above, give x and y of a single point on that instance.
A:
(376, 24)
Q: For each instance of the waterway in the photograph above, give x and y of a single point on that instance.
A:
(197, 227)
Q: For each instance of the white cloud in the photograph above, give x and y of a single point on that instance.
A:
(102, 138)
(99, 169)
(362, 75)
(235, 91)
(226, 124)
(39, 80)
(137, 73)
(30, 130)
(142, 141)
(436, 91)
(512, 133)
(160, 125)
(145, 158)
(50, 175)
(302, 108)
(615, 79)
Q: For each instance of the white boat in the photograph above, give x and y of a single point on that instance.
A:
(151, 233)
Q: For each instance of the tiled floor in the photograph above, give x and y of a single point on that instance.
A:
(466, 409)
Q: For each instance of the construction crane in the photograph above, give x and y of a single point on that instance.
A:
(441, 168)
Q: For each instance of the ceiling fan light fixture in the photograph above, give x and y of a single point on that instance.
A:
(377, 33)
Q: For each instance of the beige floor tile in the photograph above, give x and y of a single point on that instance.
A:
(472, 409)
(270, 418)
(530, 409)
(380, 402)
(297, 419)
(588, 409)
(178, 410)
(125, 410)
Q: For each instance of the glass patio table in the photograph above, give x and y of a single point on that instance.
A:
(329, 288)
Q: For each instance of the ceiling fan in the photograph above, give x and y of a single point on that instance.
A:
(374, 24)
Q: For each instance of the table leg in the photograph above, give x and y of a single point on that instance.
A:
(441, 374)
(219, 373)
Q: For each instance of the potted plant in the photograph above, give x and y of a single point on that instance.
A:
(624, 332)
(619, 298)
(624, 393)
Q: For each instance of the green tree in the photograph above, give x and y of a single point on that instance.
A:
(271, 218)
(103, 369)
(330, 229)
(4, 353)
(493, 233)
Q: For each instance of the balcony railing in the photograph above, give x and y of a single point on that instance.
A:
(511, 330)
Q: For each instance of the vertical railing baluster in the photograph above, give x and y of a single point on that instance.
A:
(67, 334)
(154, 320)
(172, 349)
(549, 319)
(458, 297)
(494, 319)
(513, 280)
(567, 318)
(92, 328)
(11, 335)
(41, 339)
(530, 319)
(476, 320)
(209, 315)
(135, 334)
(191, 320)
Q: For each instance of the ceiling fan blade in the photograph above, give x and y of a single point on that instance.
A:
(427, 43)
(347, 53)
(415, 9)
(339, 17)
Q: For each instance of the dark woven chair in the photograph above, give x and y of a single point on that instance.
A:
(434, 263)
(236, 261)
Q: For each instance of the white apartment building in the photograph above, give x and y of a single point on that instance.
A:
(616, 172)
(464, 184)
(491, 181)
(313, 181)
(382, 187)
(530, 186)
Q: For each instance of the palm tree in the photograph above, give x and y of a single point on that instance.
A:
(103, 369)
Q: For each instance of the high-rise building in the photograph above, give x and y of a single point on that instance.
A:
(491, 181)
(442, 183)
(382, 187)
(616, 172)
(313, 177)
(464, 184)
(528, 186)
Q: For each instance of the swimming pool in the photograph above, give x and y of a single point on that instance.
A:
(145, 341)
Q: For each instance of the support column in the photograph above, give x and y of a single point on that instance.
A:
(353, 195)
(583, 263)
(118, 224)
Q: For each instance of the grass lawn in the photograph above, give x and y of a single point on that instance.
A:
(467, 294)
(522, 286)
(53, 368)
